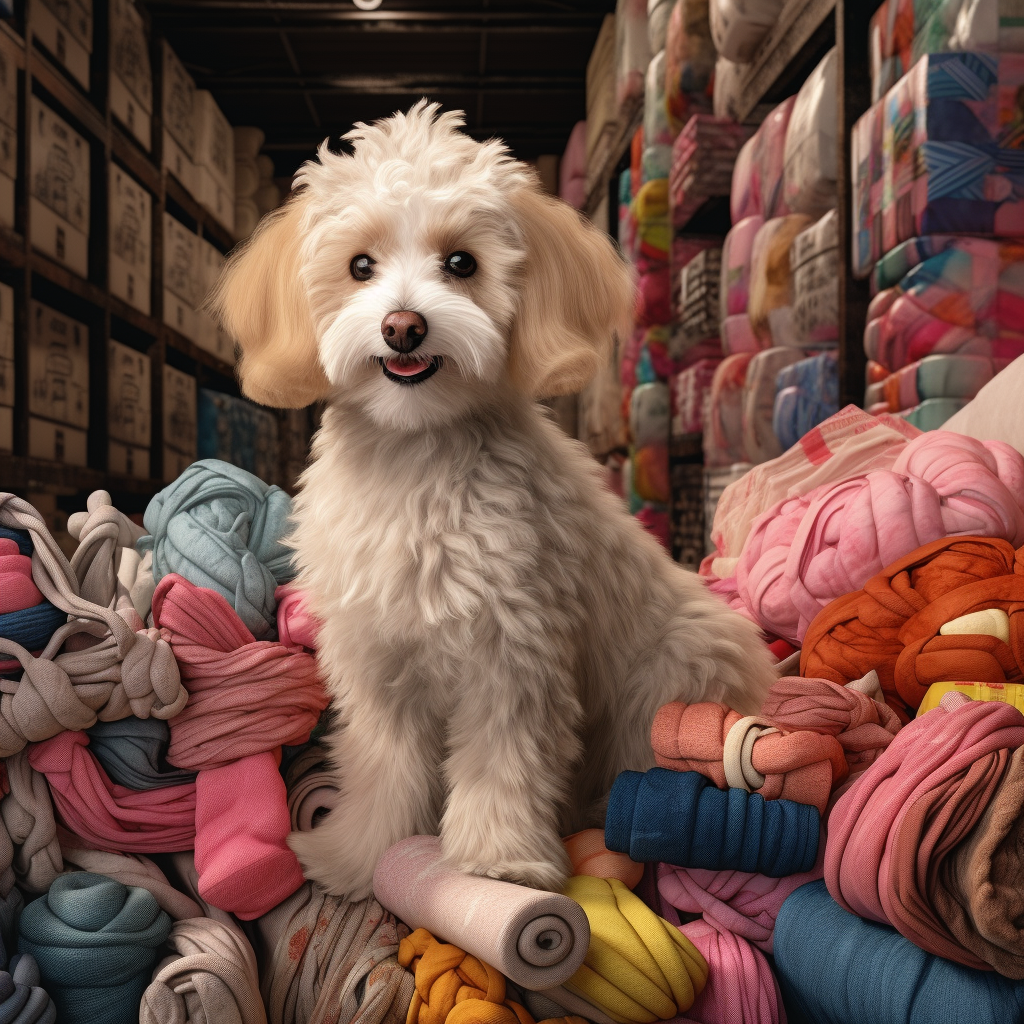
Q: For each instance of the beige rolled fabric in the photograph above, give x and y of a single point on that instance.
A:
(324, 960)
(27, 813)
(312, 788)
(537, 939)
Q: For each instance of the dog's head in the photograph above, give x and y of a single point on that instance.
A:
(416, 276)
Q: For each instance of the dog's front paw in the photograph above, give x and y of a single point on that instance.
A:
(340, 867)
(537, 874)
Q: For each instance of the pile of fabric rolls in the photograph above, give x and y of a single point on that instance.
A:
(938, 247)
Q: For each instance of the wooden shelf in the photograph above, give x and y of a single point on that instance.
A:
(67, 279)
(69, 96)
(789, 51)
(22, 473)
(133, 316)
(136, 161)
(12, 247)
(177, 193)
(189, 348)
(608, 156)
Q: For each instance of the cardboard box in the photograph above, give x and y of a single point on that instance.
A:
(216, 199)
(179, 414)
(8, 90)
(177, 162)
(56, 442)
(182, 278)
(131, 239)
(215, 160)
(60, 28)
(6, 345)
(209, 335)
(127, 460)
(131, 77)
(58, 367)
(6, 430)
(59, 189)
(6, 201)
(129, 395)
(179, 102)
(175, 463)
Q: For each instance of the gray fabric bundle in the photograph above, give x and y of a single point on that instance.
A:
(312, 788)
(133, 752)
(29, 840)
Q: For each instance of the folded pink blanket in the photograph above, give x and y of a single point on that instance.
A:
(806, 551)
(107, 816)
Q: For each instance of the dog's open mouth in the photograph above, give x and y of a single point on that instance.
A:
(409, 369)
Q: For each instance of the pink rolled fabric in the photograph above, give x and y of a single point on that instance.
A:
(109, 817)
(740, 986)
(890, 834)
(246, 696)
(808, 550)
(17, 591)
(296, 625)
(736, 901)
(242, 822)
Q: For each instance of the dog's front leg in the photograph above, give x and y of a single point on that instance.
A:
(513, 748)
(387, 759)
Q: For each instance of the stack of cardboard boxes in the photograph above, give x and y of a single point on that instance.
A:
(8, 137)
(131, 77)
(131, 239)
(179, 416)
(58, 401)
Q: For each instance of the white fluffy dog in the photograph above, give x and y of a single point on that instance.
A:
(498, 631)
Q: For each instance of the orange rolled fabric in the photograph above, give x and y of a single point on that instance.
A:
(893, 624)
(748, 753)
(589, 856)
(453, 987)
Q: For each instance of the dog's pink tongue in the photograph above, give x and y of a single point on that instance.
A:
(404, 368)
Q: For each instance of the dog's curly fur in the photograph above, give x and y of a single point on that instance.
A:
(498, 631)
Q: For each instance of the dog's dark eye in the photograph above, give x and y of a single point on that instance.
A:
(362, 266)
(460, 264)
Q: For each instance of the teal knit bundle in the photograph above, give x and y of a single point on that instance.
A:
(96, 942)
(220, 527)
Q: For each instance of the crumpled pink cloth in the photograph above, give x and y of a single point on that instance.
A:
(246, 696)
(17, 591)
(806, 551)
(107, 816)
(740, 986)
(296, 624)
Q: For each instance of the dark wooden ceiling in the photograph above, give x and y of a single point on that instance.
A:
(305, 70)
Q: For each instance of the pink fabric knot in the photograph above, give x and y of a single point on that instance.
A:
(17, 591)
(296, 624)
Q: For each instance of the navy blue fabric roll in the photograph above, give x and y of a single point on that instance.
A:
(20, 537)
(32, 627)
(835, 968)
(682, 818)
(133, 752)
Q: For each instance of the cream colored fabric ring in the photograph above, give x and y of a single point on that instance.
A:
(738, 751)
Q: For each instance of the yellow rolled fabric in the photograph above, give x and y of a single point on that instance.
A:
(639, 968)
(1006, 693)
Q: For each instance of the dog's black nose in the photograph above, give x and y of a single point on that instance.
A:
(403, 330)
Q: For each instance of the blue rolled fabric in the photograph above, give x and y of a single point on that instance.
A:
(20, 537)
(96, 942)
(222, 528)
(32, 627)
(133, 752)
(835, 968)
(806, 394)
(682, 818)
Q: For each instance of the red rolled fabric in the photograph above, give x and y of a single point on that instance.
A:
(246, 696)
(748, 753)
(891, 833)
(110, 817)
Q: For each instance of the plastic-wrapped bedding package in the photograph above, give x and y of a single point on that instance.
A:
(953, 376)
(745, 195)
(723, 429)
(649, 430)
(810, 153)
(632, 50)
(770, 308)
(653, 228)
(770, 155)
(699, 282)
(933, 413)
(974, 287)
(759, 441)
(690, 391)
(657, 137)
(627, 217)
(814, 263)
(951, 149)
(684, 249)
(702, 163)
(807, 393)
(689, 63)
(658, 12)
(739, 26)
(897, 263)
(738, 336)
(866, 173)
(737, 249)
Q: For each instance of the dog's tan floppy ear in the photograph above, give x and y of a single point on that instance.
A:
(576, 293)
(261, 304)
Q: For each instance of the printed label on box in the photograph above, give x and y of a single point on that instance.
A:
(131, 235)
(180, 315)
(56, 442)
(179, 405)
(58, 39)
(179, 102)
(55, 237)
(60, 167)
(127, 109)
(129, 53)
(127, 460)
(128, 395)
(58, 366)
